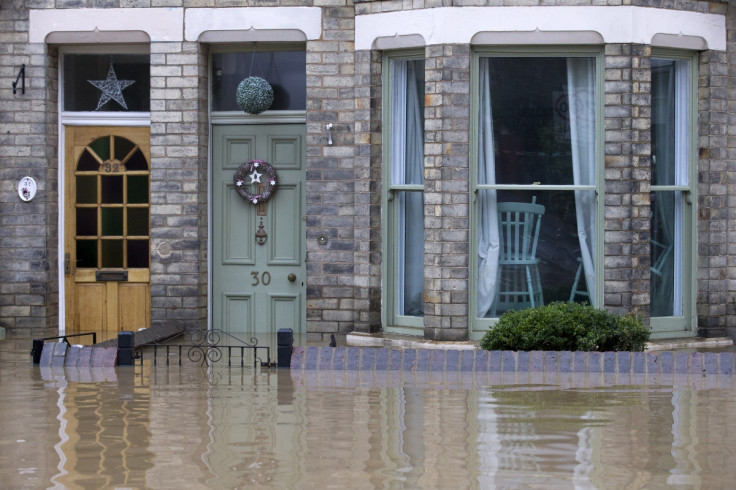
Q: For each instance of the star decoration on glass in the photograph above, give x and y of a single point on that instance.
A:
(112, 88)
(255, 177)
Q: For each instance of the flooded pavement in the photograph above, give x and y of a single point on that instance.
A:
(218, 427)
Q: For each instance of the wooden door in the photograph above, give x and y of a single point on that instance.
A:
(107, 229)
(258, 271)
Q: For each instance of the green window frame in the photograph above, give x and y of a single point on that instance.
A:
(674, 181)
(526, 173)
(403, 199)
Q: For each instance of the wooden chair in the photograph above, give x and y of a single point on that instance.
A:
(518, 284)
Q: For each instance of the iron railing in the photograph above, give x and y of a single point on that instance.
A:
(207, 347)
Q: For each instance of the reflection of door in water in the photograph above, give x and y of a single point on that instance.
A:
(107, 229)
(258, 288)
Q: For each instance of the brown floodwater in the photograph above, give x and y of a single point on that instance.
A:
(218, 427)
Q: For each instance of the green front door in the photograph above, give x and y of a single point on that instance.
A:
(258, 271)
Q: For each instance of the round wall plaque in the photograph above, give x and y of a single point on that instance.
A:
(27, 188)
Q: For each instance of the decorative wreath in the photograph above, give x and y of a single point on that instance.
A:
(250, 170)
(254, 95)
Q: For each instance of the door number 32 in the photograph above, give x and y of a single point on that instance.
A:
(261, 278)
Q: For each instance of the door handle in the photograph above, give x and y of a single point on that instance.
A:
(67, 264)
(291, 277)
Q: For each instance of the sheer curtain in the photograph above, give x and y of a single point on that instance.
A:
(581, 97)
(488, 241)
(407, 157)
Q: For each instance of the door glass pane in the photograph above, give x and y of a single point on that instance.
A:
(284, 70)
(123, 146)
(81, 95)
(137, 161)
(137, 189)
(112, 253)
(87, 189)
(407, 168)
(101, 147)
(112, 189)
(87, 163)
(536, 126)
(138, 253)
(87, 222)
(112, 221)
(87, 253)
(138, 221)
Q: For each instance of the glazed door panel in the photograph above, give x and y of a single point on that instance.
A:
(107, 229)
(258, 271)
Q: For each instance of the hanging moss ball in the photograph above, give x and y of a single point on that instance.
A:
(254, 95)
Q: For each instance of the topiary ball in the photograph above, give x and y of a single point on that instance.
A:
(254, 95)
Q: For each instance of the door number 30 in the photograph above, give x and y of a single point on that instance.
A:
(261, 278)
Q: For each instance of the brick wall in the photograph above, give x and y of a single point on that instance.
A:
(28, 141)
(627, 178)
(446, 187)
(179, 139)
(333, 266)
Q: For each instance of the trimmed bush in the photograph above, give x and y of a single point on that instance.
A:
(566, 327)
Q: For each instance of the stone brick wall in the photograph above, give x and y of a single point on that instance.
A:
(716, 287)
(446, 191)
(627, 178)
(179, 139)
(28, 141)
(368, 191)
(331, 172)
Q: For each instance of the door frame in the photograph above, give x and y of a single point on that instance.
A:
(228, 118)
(90, 118)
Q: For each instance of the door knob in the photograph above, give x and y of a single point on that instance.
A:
(291, 277)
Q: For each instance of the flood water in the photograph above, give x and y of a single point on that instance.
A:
(193, 427)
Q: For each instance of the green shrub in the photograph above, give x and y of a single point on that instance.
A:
(563, 326)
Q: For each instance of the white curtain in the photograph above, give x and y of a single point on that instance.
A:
(488, 240)
(581, 97)
(407, 159)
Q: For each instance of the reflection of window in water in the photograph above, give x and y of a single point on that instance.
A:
(537, 114)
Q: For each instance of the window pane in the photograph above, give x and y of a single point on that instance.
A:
(87, 253)
(81, 95)
(138, 221)
(284, 70)
(533, 100)
(534, 266)
(411, 253)
(407, 168)
(87, 222)
(112, 221)
(138, 189)
(138, 253)
(87, 189)
(112, 253)
(112, 189)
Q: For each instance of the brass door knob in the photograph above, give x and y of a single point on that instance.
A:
(291, 277)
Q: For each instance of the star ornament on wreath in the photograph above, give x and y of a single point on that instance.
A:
(254, 170)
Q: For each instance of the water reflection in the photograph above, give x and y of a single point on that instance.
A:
(185, 427)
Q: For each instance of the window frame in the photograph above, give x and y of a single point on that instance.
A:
(390, 319)
(478, 326)
(684, 325)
